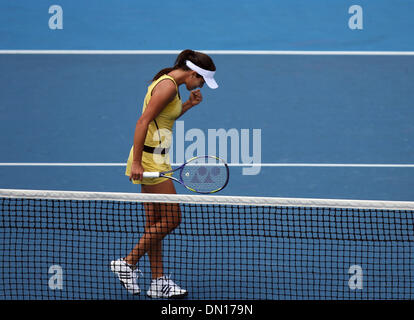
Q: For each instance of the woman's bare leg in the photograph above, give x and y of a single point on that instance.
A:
(161, 219)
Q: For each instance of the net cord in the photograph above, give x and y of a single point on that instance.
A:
(212, 200)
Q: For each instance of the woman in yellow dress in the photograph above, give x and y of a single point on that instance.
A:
(162, 106)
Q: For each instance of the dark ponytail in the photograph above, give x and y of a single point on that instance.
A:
(162, 72)
(198, 58)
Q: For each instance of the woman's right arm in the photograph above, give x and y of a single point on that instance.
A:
(139, 138)
(162, 95)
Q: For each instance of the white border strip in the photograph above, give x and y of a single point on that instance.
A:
(216, 52)
(211, 200)
(322, 165)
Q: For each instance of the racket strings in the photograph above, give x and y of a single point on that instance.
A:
(205, 177)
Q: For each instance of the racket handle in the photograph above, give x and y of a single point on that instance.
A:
(151, 174)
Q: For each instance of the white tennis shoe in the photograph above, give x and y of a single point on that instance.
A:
(127, 274)
(164, 287)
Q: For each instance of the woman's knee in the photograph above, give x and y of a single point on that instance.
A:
(174, 217)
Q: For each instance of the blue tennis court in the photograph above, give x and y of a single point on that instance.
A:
(306, 107)
(309, 109)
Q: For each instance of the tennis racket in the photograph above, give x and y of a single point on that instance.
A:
(203, 174)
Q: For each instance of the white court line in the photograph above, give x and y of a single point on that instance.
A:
(323, 165)
(217, 52)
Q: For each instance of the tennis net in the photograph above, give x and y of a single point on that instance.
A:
(59, 245)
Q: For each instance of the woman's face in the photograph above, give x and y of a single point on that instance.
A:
(194, 81)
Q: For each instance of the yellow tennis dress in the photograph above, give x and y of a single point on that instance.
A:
(157, 137)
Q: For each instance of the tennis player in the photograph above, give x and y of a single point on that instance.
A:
(162, 106)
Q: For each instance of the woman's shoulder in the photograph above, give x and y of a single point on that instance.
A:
(164, 82)
(162, 78)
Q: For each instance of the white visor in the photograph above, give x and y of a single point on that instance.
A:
(206, 74)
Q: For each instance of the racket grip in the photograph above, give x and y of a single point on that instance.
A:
(151, 174)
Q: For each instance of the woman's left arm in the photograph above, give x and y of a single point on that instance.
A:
(194, 99)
